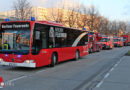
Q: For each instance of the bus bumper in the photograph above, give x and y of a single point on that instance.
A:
(31, 65)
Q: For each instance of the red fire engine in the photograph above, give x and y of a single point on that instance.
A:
(107, 42)
(126, 39)
(94, 42)
(118, 41)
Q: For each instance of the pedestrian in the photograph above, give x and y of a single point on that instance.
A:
(6, 45)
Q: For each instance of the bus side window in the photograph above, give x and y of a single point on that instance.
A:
(51, 42)
(38, 44)
(44, 40)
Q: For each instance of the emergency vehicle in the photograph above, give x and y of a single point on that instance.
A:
(107, 42)
(118, 41)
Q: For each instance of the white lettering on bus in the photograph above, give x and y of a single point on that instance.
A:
(15, 26)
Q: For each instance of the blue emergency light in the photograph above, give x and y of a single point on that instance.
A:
(84, 29)
(32, 18)
(7, 19)
(19, 56)
(6, 55)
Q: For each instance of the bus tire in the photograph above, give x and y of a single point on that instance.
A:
(77, 55)
(53, 59)
(99, 49)
(89, 50)
(109, 47)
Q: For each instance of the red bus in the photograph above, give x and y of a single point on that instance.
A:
(39, 43)
(118, 41)
(107, 42)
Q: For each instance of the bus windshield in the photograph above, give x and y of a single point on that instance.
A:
(116, 40)
(14, 41)
(104, 40)
(124, 39)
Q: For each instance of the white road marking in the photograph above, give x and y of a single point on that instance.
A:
(17, 79)
(106, 75)
(101, 82)
(111, 69)
(115, 65)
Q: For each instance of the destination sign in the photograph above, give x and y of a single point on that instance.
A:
(16, 25)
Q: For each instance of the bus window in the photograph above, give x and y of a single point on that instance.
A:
(83, 41)
(44, 40)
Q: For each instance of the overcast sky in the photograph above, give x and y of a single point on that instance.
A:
(112, 9)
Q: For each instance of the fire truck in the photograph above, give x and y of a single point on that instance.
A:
(107, 42)
(118, 41)
(126, 39)
(94, 44)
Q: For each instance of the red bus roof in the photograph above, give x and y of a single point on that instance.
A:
(44, 22)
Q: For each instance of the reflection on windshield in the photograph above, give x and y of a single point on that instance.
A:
(14, 41)
(104, 40)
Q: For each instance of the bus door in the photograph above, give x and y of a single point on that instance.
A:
(39, 47)
(94, 43)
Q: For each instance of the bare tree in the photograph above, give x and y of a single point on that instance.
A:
(123, 27)
(82, 19)
(106, 27)
(23, 9)
(127, 28)
(115, 28)
(55, 15)
(100, 24)
(72, 15)
(93, 14)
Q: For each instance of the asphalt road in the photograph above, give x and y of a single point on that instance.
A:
(83, 74)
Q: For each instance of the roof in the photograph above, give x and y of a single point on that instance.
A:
(45, 22)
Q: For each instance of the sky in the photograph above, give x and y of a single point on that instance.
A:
(111, 9)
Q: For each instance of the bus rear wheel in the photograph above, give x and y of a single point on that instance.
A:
(77, 55)
(53, 59)
(99, 49)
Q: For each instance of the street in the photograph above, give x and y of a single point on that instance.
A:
(83, 74)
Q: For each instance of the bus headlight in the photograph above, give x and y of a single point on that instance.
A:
(2, 84)
(29, 61)
(1, 59)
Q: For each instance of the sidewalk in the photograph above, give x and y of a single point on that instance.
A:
(118, 78)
